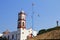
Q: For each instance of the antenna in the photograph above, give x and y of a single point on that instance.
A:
(32, 17)
(32, 14)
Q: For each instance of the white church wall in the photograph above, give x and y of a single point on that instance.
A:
(20, 34)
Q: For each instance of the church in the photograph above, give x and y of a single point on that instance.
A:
(22, 33)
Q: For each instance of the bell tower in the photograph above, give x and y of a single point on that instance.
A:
(21, 20)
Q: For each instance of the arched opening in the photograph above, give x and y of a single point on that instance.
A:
(23, 23)
(8, 37)
(12, 36)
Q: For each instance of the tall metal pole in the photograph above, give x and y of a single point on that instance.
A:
(32, 15)
(32, 18)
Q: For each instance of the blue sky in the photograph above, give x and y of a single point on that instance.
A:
(49, 11)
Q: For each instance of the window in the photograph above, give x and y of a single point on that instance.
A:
(12, 36)
(22, 32)
(8, 37)
(29, 31)
(23, 23)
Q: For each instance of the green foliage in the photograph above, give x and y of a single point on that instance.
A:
(41, 31)
(3, 38)
(55, 28)
(48, 30)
